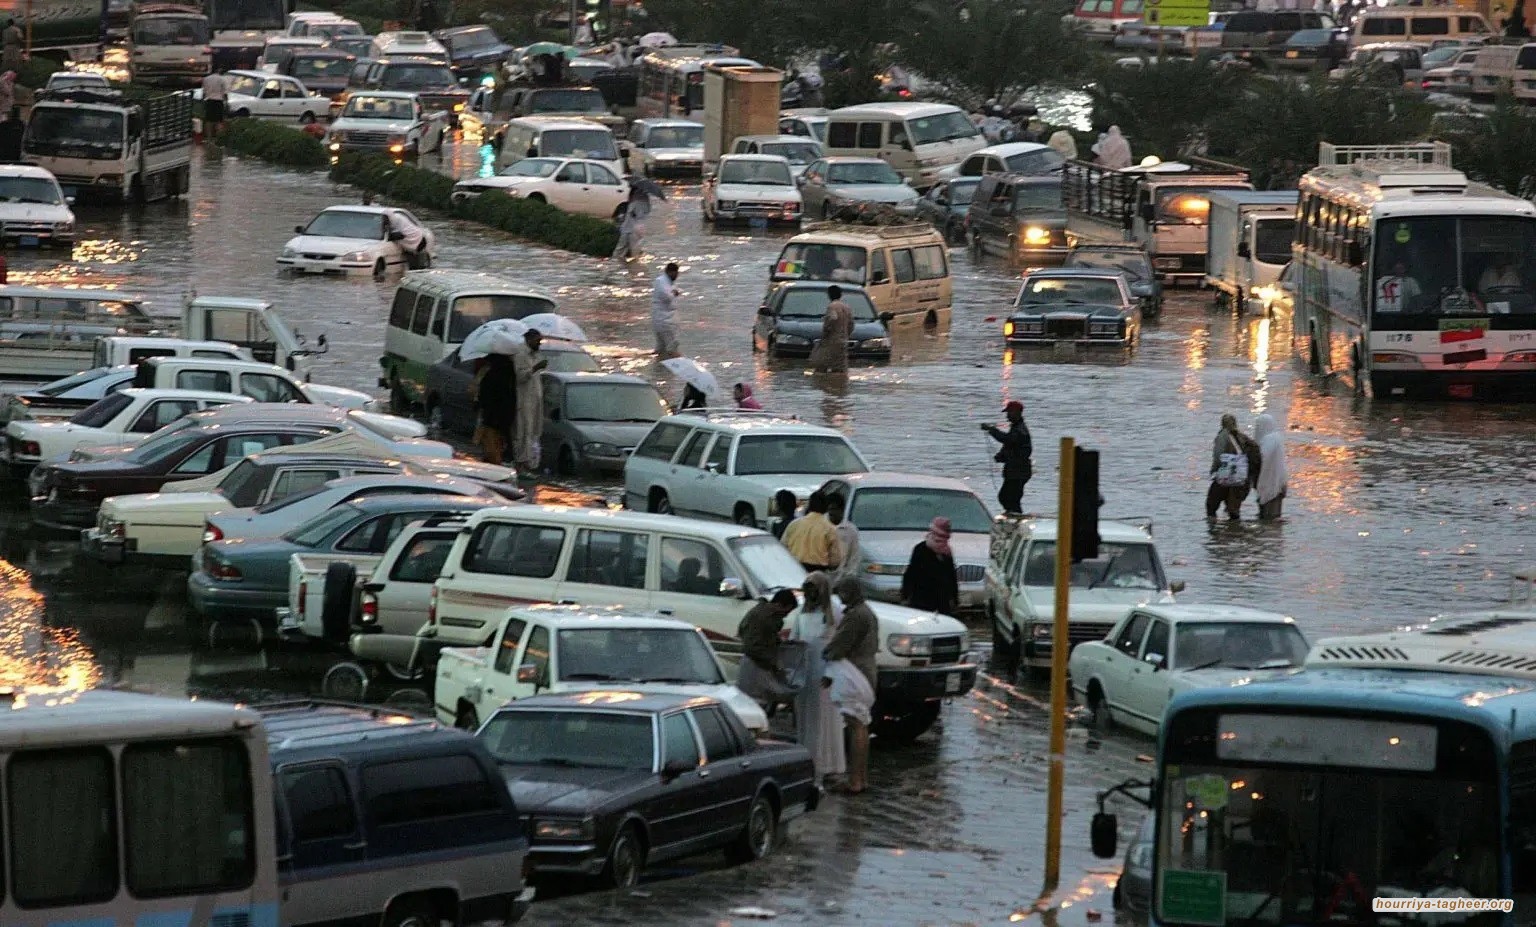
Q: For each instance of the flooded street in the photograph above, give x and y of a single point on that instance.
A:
(1395, 510)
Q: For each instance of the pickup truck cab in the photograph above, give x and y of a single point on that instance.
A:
(564, 648)
(119, 418)
(261, 382)
(1020, 577)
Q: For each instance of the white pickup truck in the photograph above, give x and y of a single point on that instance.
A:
(564, 648)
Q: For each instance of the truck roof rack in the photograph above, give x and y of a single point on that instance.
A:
(1499, 642)
(890, 229)
(1419, 155)
(81, 95)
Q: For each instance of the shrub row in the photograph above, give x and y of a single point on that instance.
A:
(272, 142)
(528, 219)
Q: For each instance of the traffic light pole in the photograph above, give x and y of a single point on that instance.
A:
(1059, 645)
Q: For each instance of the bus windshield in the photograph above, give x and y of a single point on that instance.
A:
(1186, 205)
(1451, 266)
(1290, 820)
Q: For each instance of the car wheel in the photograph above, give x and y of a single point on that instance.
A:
(745, 516)
(242, 114)
(411, 912)
(953, 233)
(626, 859)
(379, 269)
(660, 504)
(536, 198)
(760, 834)
(1004, 652)
(1098, 706)
(398, 401)
(307, 119)
(347, 682)
(565, 461)
(402, 673)
(975, 247)
(467, 719)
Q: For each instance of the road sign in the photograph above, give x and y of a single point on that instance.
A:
(1176, 12)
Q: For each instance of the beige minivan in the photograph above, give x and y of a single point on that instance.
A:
(903, 268)
(1425, 25)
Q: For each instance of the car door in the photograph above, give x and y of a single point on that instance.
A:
(687, 583)
(321, 838)
(1122, 666)
(160, 413)
(568, 188)
(676, 812)
(729, 784)
(605, 192)
(405, 594)
(1147, 694)
(607, 567)
(510, 652)
(296, 99)
(457, 404)
(686, 474)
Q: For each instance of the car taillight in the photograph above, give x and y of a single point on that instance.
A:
(211, 533)
(218, 569)
(432, 606)
(369, 608)
(31, 449)
(303, 597)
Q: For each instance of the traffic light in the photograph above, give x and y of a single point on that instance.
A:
(1085, 504)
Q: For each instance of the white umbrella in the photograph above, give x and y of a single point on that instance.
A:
(498, 336)
(555, 325)
(657, 40)
(693, 374)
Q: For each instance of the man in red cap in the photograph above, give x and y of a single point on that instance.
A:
(1014, 455)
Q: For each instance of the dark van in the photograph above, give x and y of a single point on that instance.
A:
(391, 820)
(1267, 32)
(1018, 217)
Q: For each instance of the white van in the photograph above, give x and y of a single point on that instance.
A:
(407, 44)
(704, 572)
(1524, 76)
(560, 137)
(432, 312)
(918, 140)
(1425, 25)
(1493, 72)
(904, 268)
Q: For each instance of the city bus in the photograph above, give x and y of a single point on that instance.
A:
(1394, 766)
(125, 809)
(1409, 277)
(672, 78)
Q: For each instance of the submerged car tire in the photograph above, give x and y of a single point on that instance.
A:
(660, 503)
(1098, 707)
(906, 727)
(537, 198)
(241, 114)
(1005, 653)
(467, 719)
(626, 859)
(759, 835)
(307, 119)
(379, 269)
(565, 461)
(411, 912)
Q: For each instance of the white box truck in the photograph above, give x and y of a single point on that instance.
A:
(1250, 242)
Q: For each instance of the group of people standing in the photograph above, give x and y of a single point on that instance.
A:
(509, 397)
(1240, 464)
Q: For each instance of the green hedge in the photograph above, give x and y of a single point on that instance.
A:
(272, 142)
(528, 219)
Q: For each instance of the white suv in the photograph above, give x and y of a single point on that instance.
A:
(729, 464)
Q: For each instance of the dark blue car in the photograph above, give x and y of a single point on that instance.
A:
(789, 323)
(946, 205)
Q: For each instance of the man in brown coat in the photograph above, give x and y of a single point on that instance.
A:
(856, 640)
(761, 677)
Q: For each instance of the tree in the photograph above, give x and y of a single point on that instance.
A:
(991, 49)
(1499, 150)
(1164, 108)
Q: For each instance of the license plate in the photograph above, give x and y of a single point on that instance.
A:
(28, 241)
(951, 683)
(757, 222)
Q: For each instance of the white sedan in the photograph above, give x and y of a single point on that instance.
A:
(359, 240)
(119, 418)
(752, 187)
(1158, 651)
(274, 96)
(572, 184)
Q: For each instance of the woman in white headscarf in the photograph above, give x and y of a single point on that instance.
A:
(1272, 475)
(1113, 150)
(1064, 144)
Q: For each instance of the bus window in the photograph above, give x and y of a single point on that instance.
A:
(1458, 266)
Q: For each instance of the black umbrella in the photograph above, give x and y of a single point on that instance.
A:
(646, 187)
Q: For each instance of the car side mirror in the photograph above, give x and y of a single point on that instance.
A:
(764, 310)
(904, 145)
(731, 588)
(397, 236)
(299, 229)
(528, 674)
(1243, 250)
(887, 317)
(1176, 586)
(1156, 659)
(674, 768)
(800, 181)
(1104, 835)
(69, 201)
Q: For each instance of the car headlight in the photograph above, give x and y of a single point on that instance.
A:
(355, 256)
(1103, 328)
(876, 344)
(1009, 328)
(725, 204)
(1035, 235)
(289, 252)
(556, 829)
(910, 645)
(113, 528)
(793, 339)
(791, 206)
(886, 569)
(63, 226)
(600, 449)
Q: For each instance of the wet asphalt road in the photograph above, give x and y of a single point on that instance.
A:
(1396, 511)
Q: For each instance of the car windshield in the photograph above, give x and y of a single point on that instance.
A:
(613, 402)
(826, 455)
(1044, 197)
(364, 107)
(1118, 566)
(471, 312)
(282, 502)
(809, 261)
(676, 137)
(587, 739)
(60, 387)
(1272, 240)
(810, 303)
(1202, 644)
(324, 68)
(30, 190)
(960, 192)
(943, 127)
(166, 31)
(238, 479)
(575, 100)
(1311, 37)
(245, 85)
(1133, 264)
(1039, 161)
(793, 152)
(477, 37)
(532, 167)
(54, 128)
(677, 655)
(1041, 291)
(335, 29)
(1441, 56)
(358, 45)
(165, 443)
(914, 509)
(317, 529)
(417, 77)
(767, 564)
(760, 173)
(596, 144)
(341, 223)
(66, 81)
(860, 172)
(567, 360)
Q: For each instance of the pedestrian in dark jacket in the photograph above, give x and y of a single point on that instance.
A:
(857, 640)
(496, 398)
(760, 676)
(784, 506)
(1235, 464)
(930, 582)
(1017, 449)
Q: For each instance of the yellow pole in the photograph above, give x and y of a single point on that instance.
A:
(1059, 645)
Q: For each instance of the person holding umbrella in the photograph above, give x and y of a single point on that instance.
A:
(636, 211)
(698, 384)
(528, 425)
